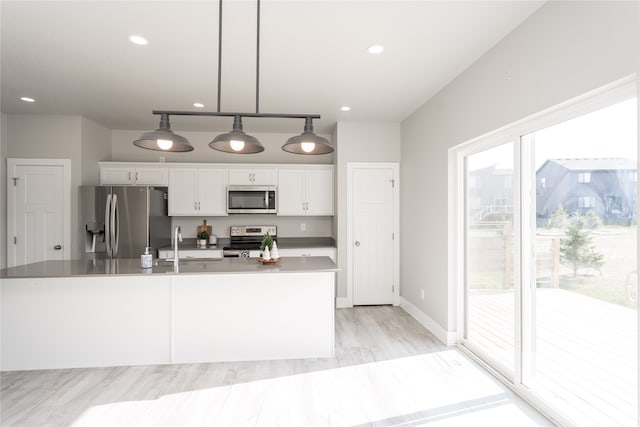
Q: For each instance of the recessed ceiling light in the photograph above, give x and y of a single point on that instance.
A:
(376, 48)
(27, 99)
(198, 105)
(138, 40)
(345, 108)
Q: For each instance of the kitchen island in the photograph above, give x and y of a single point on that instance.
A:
(70, 314)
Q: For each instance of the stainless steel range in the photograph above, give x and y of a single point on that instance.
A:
(246, 240)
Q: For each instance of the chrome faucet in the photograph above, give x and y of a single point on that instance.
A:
(177, 236)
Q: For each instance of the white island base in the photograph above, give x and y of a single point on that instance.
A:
(72, 322)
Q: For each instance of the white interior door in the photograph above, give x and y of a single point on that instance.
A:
(373, 234)
(38, 224)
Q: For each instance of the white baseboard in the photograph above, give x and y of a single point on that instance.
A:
(446, 337)
(343, 302)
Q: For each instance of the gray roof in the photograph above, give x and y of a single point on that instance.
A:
(596, 164)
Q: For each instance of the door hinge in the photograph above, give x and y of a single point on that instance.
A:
(15, 240)
(15, 181)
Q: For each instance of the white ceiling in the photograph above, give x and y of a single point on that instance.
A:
(75, 58)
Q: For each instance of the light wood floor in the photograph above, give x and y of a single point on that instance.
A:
(388, 371)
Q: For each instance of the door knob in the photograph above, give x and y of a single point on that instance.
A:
(57, 247)
(357, 243)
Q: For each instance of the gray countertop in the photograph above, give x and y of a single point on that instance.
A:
(283, 243)
(131, 267)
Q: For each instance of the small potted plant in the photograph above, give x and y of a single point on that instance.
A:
(203, 237)
(265, 246)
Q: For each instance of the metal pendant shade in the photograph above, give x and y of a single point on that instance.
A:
(307, 142)
(163, 139)
(236, 141)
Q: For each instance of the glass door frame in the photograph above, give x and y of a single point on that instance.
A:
(523, 268)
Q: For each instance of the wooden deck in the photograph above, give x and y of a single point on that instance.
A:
(584, 353)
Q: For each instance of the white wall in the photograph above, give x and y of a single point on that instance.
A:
(96, 147)
(359, 142)
(49, 137)
(124, 150)
(60, 137)
(563, 50)
(3, 191)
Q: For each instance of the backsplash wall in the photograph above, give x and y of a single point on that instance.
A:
(316, 226)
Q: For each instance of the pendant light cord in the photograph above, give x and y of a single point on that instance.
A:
(258, 57)
(219, 51)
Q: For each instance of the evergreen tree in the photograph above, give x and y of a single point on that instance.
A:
(559, 218)
(593, 220)
(576, 249)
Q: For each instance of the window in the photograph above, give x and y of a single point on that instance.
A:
(584, 177)
(586, 202)
(548, 291)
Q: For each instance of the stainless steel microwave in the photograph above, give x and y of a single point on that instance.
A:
(251, 199)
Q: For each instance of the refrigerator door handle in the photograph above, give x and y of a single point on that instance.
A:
(115, 222)
(107, 224)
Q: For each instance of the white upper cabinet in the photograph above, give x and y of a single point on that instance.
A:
(306, 191)
(198, 191)
(252, 176)
(291, 192)
(319, 192)
(133, 175)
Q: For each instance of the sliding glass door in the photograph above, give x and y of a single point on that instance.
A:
(489, 291)
(582, 223)
(549, 242)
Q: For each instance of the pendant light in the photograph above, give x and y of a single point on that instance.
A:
(236, 141)
(163, 139)
(307, 142)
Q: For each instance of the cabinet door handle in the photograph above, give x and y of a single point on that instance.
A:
(195, 206)
(129, 176)
(137, 176)
(57, 247)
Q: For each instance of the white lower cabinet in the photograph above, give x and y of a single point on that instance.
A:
(191, 253)
(90, 321)
(201, 191)
(330, 252)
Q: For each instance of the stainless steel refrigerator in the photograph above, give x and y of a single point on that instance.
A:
(120, 221)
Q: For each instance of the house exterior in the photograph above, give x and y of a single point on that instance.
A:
(606, 186)
(490, 194)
